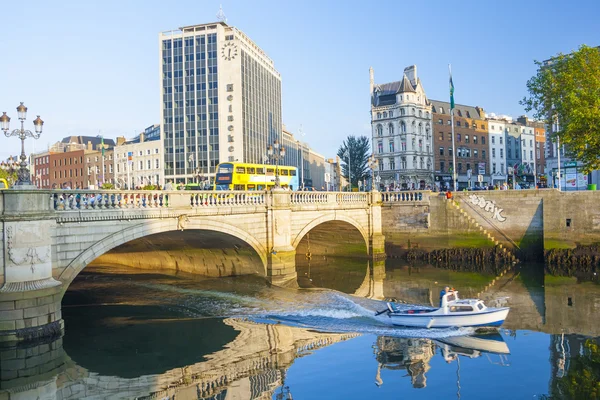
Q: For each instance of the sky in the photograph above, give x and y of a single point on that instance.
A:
(92, 67)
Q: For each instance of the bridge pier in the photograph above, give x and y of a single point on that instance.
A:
(281, 270)
(29, 295)
(376, 237)
(281, 258)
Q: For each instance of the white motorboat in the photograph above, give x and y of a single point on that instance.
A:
(454, 312)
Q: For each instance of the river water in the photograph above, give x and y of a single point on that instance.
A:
(147, 335)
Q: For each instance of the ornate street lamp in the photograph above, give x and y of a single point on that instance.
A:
(24, 180)
(275, 153)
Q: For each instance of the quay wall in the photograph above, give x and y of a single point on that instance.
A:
(526, 221)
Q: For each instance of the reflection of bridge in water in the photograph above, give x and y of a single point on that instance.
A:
(252, 366)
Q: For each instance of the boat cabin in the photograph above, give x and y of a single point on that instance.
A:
(451, 303)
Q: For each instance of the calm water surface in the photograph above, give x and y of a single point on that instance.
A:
(139, 334)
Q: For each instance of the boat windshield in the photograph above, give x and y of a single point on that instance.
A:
(451, 297)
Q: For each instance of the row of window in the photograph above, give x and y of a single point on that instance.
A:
(140, 153)
(390, 113)
(390, 164)
(461, 124)
(467, 138)
(403, 146)
(464, 152)
(515, 129)
(390, 128)
(122, 167)
(459, 167)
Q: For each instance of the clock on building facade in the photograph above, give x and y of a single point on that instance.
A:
(229, 51)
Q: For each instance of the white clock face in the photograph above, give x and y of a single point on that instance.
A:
(229, 51)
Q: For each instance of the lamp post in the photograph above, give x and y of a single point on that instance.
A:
(24, 181)
(275, 153)
(347, 154)
(373, 163)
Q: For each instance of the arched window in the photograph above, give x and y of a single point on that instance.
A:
(414, 161)
(385, 114)
(426, 114)
(427, 132)
(413, 111)
(378, 115)
(391, 129)
(391, 113)
(420, 129)
(379, 130)
(422, 163)
(413, 142)
(403, 127)
(414, 127)
(420, 113)
(402, 111)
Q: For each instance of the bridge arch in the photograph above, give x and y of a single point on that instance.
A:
(328, 218)
(150, 228)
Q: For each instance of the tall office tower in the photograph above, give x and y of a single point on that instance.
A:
(220, 100)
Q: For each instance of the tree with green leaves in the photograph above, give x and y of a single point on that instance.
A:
(355, 152)
(566, 90)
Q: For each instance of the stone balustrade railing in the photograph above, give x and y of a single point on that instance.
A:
(404, 196)
(67, 200)
(93, 200)
(352, 197)
(84, 200)
(310, 197)
(80, 200)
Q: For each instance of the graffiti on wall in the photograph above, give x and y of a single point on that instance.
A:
(489, 206)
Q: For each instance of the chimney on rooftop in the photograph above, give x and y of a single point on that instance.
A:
(523, 119)
(411, 74)
(481, 112)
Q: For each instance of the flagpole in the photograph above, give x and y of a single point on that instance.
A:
(102, 175)
(558, 148)
(452, 124)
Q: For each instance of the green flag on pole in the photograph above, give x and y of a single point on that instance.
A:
(102, 144)
(451, 92)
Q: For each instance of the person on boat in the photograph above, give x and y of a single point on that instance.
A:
(442, 293)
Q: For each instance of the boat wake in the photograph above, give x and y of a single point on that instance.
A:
(318, 309)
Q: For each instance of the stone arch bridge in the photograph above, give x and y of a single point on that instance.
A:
(50, 236)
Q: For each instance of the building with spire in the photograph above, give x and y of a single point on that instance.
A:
(401, 132)
(220, 99)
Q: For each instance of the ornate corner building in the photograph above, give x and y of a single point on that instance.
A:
(401, 125)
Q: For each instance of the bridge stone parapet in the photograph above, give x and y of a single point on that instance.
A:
(50, 236)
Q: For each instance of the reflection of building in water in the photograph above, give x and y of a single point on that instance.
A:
(252, 366)
(562, 348)
(412, 355)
